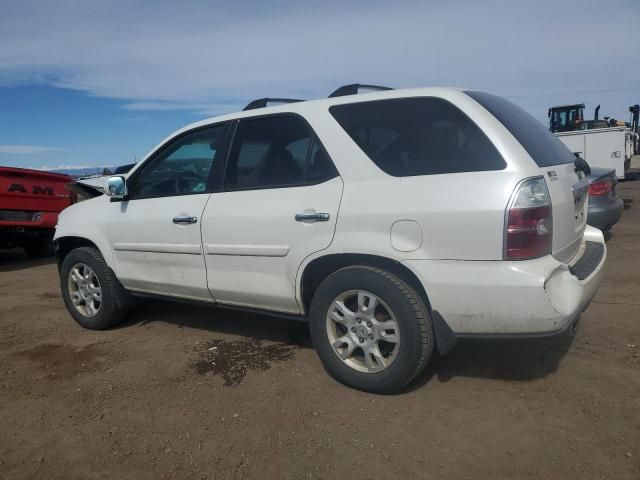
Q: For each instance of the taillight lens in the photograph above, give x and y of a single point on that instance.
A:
(529, 222)
(600, 188)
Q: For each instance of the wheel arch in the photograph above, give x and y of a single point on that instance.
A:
(320, 268)
(64, 245)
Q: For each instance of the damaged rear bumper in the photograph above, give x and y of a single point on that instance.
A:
(532, 298)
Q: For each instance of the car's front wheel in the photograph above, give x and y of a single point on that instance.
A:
(91, 292)
(371, 330)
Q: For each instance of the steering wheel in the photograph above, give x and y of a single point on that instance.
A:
(184, 177)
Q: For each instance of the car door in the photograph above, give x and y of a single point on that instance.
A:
(279, 205)
(155, 232)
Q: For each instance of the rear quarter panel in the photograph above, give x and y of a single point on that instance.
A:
(461, 216)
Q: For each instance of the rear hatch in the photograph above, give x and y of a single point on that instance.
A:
(568, 188)
(569, 198)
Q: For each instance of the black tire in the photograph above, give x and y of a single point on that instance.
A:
(40, 246)
(412, 316)
(115, 298)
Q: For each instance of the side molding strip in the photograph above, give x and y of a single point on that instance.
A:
(183, 248)
(247, 250)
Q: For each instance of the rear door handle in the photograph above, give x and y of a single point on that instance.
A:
(184, 220)
(312, 217)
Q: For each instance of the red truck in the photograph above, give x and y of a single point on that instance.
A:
(30, 201)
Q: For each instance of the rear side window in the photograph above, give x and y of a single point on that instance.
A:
(418, 136)
(277, 151)
(541, 145)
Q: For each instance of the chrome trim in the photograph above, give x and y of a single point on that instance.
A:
(185, 220)
(247, 250)
(116, 187)
(316, 217)
(183, 248)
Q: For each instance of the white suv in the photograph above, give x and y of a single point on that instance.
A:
(393, 221)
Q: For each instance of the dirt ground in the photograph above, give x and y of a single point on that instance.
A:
(181, 391)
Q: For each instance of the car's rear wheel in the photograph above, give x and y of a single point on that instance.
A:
(371, 330)
(92, 294)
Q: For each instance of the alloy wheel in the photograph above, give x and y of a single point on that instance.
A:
(363, 331)
(85, 291)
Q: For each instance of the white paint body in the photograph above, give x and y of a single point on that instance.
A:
(254, 246)
(602, 147)
(248, 250)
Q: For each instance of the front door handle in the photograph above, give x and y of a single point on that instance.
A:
(312, 217)
(184, 220)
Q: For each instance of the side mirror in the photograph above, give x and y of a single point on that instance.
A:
(117, 188)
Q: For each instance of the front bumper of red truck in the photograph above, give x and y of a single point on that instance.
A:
(18, 219)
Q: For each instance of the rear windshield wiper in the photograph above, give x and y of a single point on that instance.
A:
(581, 165)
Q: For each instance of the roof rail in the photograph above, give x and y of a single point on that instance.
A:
(263, 102)
(354, 89)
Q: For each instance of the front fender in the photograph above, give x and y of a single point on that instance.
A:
(87, 221)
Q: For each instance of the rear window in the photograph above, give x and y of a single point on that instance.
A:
(541, 145)
(418, 136)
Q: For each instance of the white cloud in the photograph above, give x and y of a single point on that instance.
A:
(216, 56)
(26, 149)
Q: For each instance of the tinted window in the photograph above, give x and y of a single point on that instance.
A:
(540, 143)
(418, 136)
(275, 152)
(183, 166)
(320, 166)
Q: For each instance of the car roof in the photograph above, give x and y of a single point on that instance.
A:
(307, 106)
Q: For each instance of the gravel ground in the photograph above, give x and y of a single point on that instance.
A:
(182, 391)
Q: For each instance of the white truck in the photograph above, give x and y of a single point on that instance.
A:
(596, 141)
(610, 147)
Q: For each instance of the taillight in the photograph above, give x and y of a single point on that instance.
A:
(600, 188)
(529, 222)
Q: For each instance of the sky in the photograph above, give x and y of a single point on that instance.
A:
(96, 83)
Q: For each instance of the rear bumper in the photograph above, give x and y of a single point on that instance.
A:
(605, 216)
(504, 298)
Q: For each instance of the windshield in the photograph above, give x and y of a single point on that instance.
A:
(543, 147)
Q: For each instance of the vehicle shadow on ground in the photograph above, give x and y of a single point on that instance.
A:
(510, 360)
(221, 320)
(16, 259)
